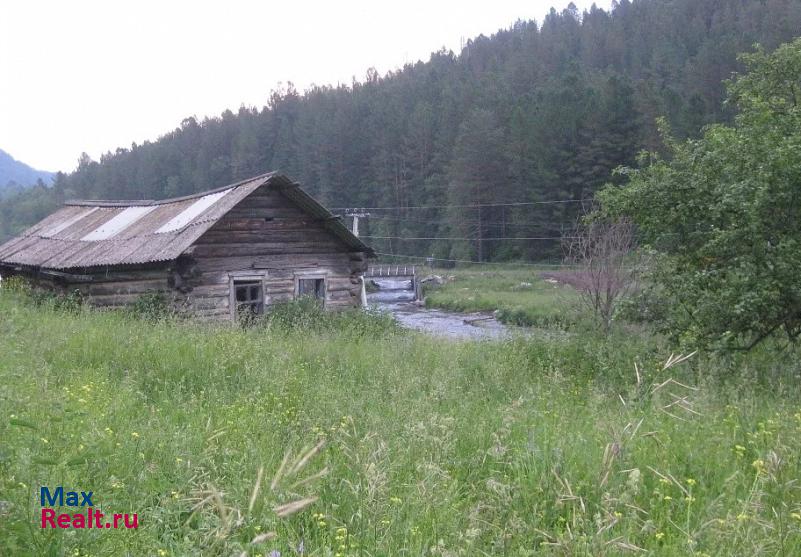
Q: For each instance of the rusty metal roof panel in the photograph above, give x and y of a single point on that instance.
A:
(103, 233)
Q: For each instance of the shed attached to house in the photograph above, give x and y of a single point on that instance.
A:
(240, 248)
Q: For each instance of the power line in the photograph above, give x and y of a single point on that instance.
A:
(468, 239)
(476, 205)
(440, 222)
(426, 258)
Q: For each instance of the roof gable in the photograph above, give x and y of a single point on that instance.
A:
(103, 233)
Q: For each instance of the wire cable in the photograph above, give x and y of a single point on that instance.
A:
(472, 206)
(467, 239)
(507, 263)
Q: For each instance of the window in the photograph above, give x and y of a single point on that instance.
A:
(249, 297)
(314, 287)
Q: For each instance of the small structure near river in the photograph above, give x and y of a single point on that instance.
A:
(215, 255)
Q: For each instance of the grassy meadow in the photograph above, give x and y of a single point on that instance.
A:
(348, 436)
(520, 296)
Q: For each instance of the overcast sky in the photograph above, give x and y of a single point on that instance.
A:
(96, 75)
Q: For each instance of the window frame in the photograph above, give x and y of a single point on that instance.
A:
(248, 277)
(312, 276)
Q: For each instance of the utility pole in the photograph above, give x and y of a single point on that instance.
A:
(356, 214)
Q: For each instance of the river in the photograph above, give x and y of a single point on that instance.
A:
(397, 297)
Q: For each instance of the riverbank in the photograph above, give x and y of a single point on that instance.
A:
(516, 296)
(429, 446)
(397, 298)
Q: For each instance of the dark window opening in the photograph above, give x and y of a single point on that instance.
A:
(314, 287)
(249, 297)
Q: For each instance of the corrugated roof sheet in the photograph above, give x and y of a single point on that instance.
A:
(102, 233)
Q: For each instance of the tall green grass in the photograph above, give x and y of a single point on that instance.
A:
(431, 447)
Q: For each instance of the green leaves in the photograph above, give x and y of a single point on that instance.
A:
(724, 212)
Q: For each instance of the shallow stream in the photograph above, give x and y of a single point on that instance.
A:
(396, 297)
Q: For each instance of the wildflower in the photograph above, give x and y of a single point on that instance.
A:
(659, 535)
(759, 465)
(739, 450)
(689, 498)
(179, 460)
(109, 430)
(135, 435)
(385, 522)
(667, 498)
(81, 447)
(664, 481)
(45, 441)
(690, 481)
(742, 517)
(618, 514)
(396, 500)
(162, 552)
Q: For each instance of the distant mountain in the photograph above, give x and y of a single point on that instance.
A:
(13, 171)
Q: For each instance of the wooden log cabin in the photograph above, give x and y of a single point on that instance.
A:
(214, 255)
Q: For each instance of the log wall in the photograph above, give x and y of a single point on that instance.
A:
(265, 236)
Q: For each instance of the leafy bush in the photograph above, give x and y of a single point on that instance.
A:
(724, 215)
(71, 302)
(152, 306)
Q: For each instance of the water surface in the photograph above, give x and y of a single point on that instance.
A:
(396, 297)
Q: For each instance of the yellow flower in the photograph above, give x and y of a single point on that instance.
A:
(396, 500)
(667, 498)
(690, 481)
(759, 465)
(659, 535)
(689, 498)
(664, 481)
(178, 459)
(134, 435)
(162, 552)
(45, 441)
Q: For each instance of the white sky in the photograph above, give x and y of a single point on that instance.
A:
(94, 75)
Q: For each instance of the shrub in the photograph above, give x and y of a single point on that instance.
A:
(151, 306)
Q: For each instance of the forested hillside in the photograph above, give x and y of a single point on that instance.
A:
(522, 121)
(15, 175)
